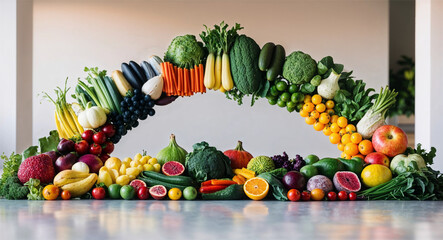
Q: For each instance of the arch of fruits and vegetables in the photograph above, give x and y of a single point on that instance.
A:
(75, 162)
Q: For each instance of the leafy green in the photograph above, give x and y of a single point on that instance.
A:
(276, 186)
(299, 68)
(13, 189)
(427, 156)
(207, 162)
(10, 166)
(307, 88)
(50, 143)
(185, 51)
(35, 189)
(353, 100)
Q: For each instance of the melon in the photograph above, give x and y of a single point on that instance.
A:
(346, 181)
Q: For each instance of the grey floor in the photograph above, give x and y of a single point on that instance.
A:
(89, 219)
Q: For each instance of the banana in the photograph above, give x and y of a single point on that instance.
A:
(69, 176)
(61, 131)
(81, 187)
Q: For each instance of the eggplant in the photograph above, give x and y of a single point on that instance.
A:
(165, 100)
(131, 76)
(138, 71)
(149, 71)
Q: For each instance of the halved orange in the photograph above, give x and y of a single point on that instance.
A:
(256, 188)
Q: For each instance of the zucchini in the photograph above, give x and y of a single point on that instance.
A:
(265, 57)
(233, 192)
(131, 76)
(115, 96)
(148, 70)
(155, 61)
(120, 82)
(139, 71)
(150, 182)
(276, 67)
(179, 180)
(106, 94)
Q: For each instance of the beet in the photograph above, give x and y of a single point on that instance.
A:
(65, 146)
(294, 180)
(65, 162)
(94, 163)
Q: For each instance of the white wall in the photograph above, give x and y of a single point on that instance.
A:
(71, 35)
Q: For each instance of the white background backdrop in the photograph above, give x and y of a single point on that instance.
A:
(69, 36)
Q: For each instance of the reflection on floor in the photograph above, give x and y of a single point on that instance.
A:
(89, 219)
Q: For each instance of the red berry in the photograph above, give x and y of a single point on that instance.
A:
(99, 138)
(306, 196)
(342, 195)
(332, 196)
(109, 130)
(352, 196)
(95, 149)
(82, 147)
(108, 147)
(87, 135)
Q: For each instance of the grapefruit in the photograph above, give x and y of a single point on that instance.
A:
(173, 168)
(137, 184)
(158, 192)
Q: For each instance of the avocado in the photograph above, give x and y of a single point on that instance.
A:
(354, 165)
(329, 166)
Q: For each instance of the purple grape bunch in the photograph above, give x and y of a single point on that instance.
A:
(283, 161)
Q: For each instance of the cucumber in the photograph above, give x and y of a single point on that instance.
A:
(115, 96)
(233, 192)
(131, 76)
(150, 182)
(276, 67)
(179, 180)
(139, 71)
(265, 57)
(149, 71)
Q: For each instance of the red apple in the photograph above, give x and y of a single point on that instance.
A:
(390, 140)
(377, 158)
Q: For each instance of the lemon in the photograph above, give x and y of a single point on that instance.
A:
(375, 174)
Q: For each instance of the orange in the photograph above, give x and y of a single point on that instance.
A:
(356, 138)
(315, 114)
(334, 118)
(50, 192)
(307, 99)
(359, 156)
(308, 107)
(320, 107)
(334, 138)
(303, 113)
(310, 120)
(324, 118)
(342, 122)
(327, 130)
(256, 188)
(317, 194)
(335, 128)
(330, 111)
(318, 126)
(351, 149)
(350, 128)
(345, 156)
(341, 147)
(316, 99)
(346, 138)
(330, 104)
(365, 147)
(342, 132)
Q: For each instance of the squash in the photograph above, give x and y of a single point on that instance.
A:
(329, 86)
(239, 157)
(153, 87)
(92, 117)
(155, 61)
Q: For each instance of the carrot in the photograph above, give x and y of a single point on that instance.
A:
(201, 77)
(186, 81)
(216, 182)
(172, 79)
(166, 83)
(176, 79)
(192, 80)
(179, 86)
(197, 80)
(168, 77)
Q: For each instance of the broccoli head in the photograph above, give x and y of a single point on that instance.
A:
(13, 189)
(185, 51)
(299, 68)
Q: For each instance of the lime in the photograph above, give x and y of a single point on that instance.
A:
(274, 92)
(281, 86)
(285, 97)
(311, 159)
(272, 101)
(294, 98)
(281, 103)
(189, 193)
(114, 191)
(293, 89)
(375, 174)
(290, 109)
(290, 104)
(127, 192)
(308, 171)
(299, 106)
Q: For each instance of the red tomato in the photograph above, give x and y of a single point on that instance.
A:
(99, 138)
(143, 193)
(98, 193)
(352, 196)
(305, 196)
(95, 149)
(293, 195)
(343, 196)
(109, 130)
(108, 147)
(332, 196)
(82, 147)
(66, 195)
(87, 135)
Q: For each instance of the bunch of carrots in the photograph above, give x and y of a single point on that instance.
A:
(182, 81)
